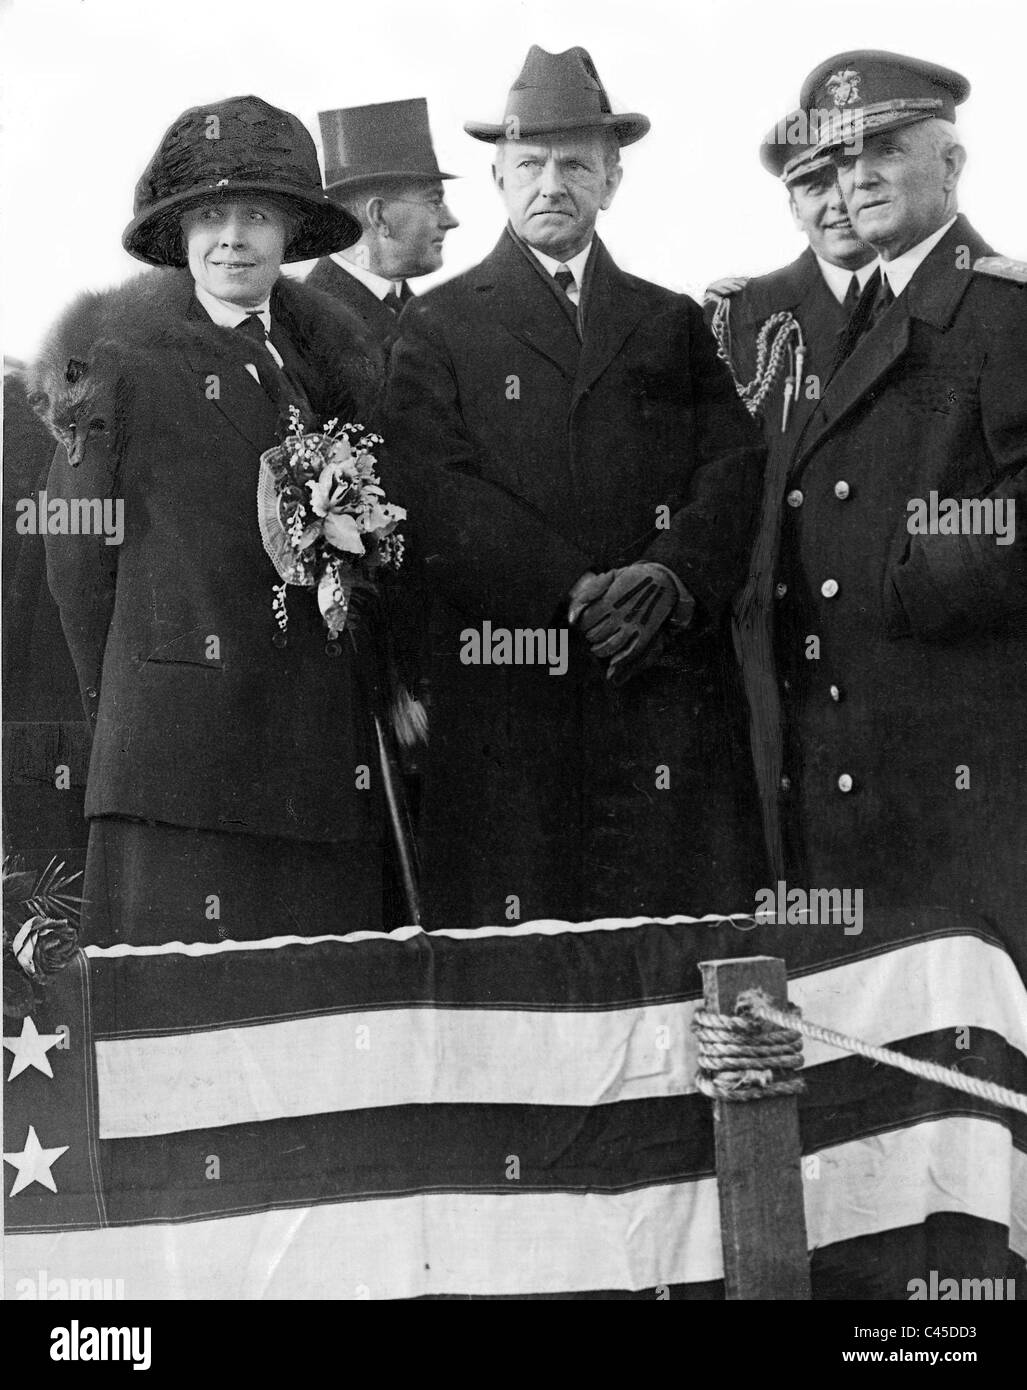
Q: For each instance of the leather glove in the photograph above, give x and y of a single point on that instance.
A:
(622, 623)
(588, 588)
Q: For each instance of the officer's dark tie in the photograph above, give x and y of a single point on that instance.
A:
(396, 298)
(564, 277)
(875, 299)
(276, 381)
(851, 296)
(882, 299)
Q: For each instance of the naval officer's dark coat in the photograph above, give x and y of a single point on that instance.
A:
(907, 737)
(527, 457)
(798, 289)
(201, 723)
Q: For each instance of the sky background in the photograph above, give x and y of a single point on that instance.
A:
(89, 87)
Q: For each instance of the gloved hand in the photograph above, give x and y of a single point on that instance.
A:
(588, 588)
(624, 620)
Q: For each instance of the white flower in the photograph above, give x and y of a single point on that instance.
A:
(328, 490)
(343, 532)
(382, 518)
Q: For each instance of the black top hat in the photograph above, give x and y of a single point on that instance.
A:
(388, 140)
(234, 148)
(559, 92)
(866, 91)
(789, 151)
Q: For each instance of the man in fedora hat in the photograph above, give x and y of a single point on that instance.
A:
(224, 794)
(380, 166)
(902, 638)
(583, 477)
(787, 323)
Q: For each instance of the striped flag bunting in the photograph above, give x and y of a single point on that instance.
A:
(508, 1112)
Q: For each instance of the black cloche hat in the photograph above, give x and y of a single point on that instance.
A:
(236, 148)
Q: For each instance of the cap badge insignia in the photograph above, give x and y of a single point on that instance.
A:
(843, 86)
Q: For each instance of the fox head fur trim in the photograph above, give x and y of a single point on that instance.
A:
(73, 382)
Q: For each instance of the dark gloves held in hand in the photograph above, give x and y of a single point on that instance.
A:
(624, 613)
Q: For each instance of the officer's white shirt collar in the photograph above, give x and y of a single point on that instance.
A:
(901, 270)
(576, 266)
(377, 284)
(838, 278)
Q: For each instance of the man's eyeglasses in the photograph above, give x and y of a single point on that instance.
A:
(436, 202)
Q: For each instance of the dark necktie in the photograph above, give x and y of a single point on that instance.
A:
(851, 296)
(275, 380)
(875, 299)
(564, 277)
(882, 298)
(396, 298)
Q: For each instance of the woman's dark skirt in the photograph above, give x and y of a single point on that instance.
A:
(148, 883)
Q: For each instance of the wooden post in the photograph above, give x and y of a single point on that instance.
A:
(759, 1178)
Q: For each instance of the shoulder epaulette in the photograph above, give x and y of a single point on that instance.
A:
(1003, 268)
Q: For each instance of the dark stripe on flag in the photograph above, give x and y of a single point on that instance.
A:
(137, 995)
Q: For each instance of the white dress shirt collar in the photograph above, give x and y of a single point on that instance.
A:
(576, 266)
(838, 278)
(228, 315)
(377, 284)
(901, 270)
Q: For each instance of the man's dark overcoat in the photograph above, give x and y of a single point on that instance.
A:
(379, 321)
(402, 591)
(798, 289)
(527, 457)
(200, 721)
(918, 692)
(403, 602)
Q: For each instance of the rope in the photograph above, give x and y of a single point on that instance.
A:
(757, 1003)
(769, 351)
(740, 1058)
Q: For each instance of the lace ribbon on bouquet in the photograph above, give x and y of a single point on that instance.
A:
(323, 518)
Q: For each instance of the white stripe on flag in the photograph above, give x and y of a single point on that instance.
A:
(408, 1056)
(899, 1178)
(425, 1055)
(529, 1242)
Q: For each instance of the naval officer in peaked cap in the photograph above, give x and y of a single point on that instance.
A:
(788, 321)
(902, 641)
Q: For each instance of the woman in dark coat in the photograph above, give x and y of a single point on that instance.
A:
(232, 787)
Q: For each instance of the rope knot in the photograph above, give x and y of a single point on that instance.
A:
(742, 1056)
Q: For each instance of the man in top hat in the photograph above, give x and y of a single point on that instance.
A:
(902, 631)
(380, 166)
(224, 793)
(583, 478)
(812, 299)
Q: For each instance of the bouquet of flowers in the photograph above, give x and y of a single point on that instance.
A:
(39, 938)
(323, 516)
